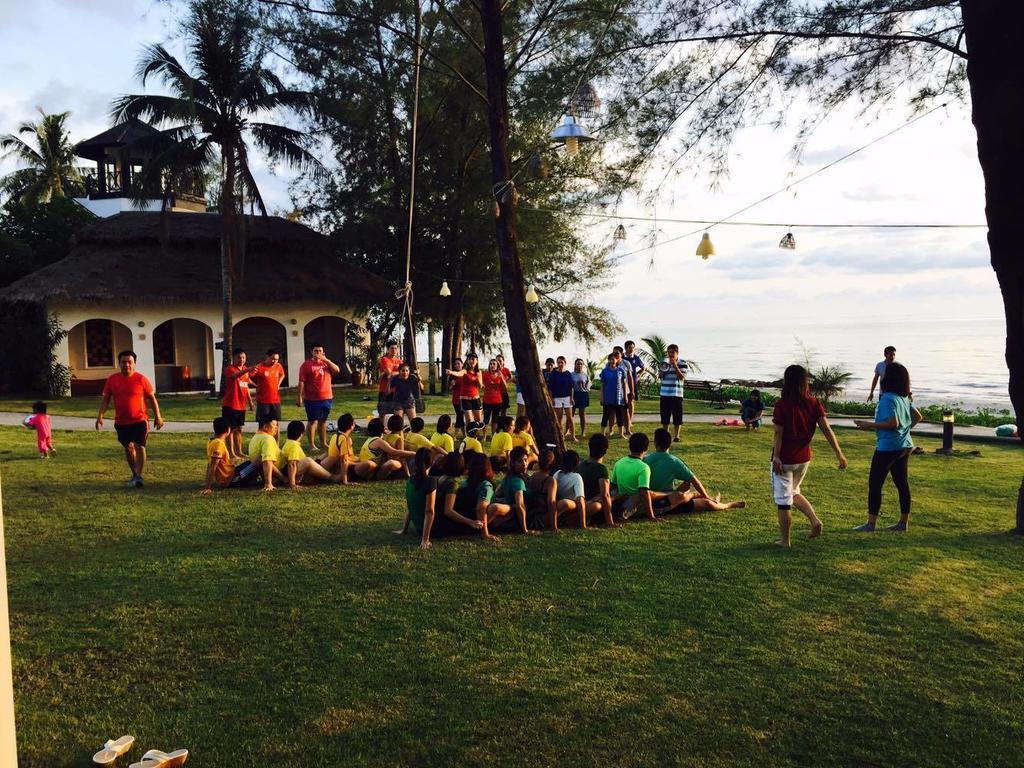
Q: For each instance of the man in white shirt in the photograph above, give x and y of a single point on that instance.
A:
(890, 356)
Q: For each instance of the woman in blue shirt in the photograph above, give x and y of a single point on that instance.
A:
(580, 393)
(613, 397)
(894, 417)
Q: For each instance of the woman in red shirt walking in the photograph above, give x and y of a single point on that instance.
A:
(795, 417)
(494, 387)
(472, 380)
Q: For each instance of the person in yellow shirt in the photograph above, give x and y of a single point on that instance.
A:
(263, 451)
(341, 455)
(522, 437)
(377, 457)
(501, 444)
(442, 438)
(295, 465)
(220, 468)
(472, 441)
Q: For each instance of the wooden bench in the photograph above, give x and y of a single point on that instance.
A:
(707, 391)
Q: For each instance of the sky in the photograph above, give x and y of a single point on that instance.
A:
(925, 173)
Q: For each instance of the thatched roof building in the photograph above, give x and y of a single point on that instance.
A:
(125, 286)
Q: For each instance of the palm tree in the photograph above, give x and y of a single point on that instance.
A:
(656, 352)
(829, 381)
(213, 115)
(51, 170)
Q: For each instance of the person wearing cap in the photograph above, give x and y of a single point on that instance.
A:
(472, 440)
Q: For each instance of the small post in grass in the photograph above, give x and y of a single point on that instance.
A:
(8, 743)
(947, 433)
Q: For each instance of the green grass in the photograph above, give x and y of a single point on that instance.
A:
(295, 629)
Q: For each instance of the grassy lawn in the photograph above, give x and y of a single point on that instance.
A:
(295, 629)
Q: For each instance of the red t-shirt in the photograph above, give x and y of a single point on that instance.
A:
(494, 383)
(388, 367)
(798, 420)
(235, 389)
(470, 386)
(268, 381)
(129, 397)
(315, 380)
(455, 383)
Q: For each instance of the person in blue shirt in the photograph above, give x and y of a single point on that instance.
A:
(751, 410)
(613, 396)
(895, 415)
(636, 365)
(560, 385)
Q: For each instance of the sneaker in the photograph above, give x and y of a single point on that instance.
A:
(899, 527)
(131, 483)
(138, 482)
(865, 528)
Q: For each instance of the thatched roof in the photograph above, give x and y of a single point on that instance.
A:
(120, 259)
(120, 135)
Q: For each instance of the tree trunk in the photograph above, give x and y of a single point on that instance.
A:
(227, 255)
(995, 71)
(524, 346)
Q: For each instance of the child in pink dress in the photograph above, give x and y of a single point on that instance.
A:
(40, 422)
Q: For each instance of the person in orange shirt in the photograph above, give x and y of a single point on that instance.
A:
(267, 376)
(237, 400)
(131, 391)
(315, 390)
(388, 367)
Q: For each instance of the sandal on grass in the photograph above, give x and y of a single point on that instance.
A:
(113, 749)
(154, 758)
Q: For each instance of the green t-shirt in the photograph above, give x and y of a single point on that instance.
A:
(467, 498)
(666, 469)
(509, 487)
(630, 474)
(416, 499)
(592, 471)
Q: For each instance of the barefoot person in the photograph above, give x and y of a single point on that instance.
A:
(888, 357)
(509, 505)
(596, 487)
(295, 465)
(264, 452)
(315, 392)
(131, 392)
(420, 498)
(236, 401)
(691, 495)
(895, 415)
(268, 376)
(795, 417)
(341, 456)
(220, 468)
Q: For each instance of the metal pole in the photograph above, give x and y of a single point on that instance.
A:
(8, 743)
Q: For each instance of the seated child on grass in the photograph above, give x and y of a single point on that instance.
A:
(378, 458)
(341, 455)
(295, 465)
(220, 468)
(690, 495)
(501, 444)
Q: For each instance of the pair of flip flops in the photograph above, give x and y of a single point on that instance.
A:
(154, 758)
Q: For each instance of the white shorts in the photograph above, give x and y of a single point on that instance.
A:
(563, 402)
(519, 399)
(787, 485)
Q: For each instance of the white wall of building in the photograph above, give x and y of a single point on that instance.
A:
(112, 205)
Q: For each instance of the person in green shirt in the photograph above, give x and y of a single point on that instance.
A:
(510, 498)
(596, 487)
(420, 494)
(631, 481)
(690, 495)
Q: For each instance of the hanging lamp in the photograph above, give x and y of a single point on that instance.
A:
(445, 290)
(705, 248)
(585, 102)
(570, 133)
(531, 296)
(538, 168)
(620, 233)
(788, 243)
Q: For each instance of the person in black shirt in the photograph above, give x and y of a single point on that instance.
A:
(405, 389)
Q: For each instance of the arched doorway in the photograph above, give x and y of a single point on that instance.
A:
(183, 355)
(258, 334)
(93, 346)
(329, 331)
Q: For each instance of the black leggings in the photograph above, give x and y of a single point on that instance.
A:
(671, 407)
(612, 415)
(889, 463)
(460, 417)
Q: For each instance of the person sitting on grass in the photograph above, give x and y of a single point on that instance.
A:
(341, 455)
(295, 465)
(795, 417)
(474, 495)
(541, 489)
(501, 444)
(895, 416)
(751, 410)
(596, 487)
(420, 496)
(471, 443)
(510, 498)
(263, 451)
(378, 459)
(691, 495)
(569, 497)
(442, 436)
(395, 432)
(451, 522)
(220, 468)
(631, 481)
(522, 437)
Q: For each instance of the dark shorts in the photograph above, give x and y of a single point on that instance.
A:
(235, 419)
(318, 410)
(491, 411)
(405, 407)
(263, 410)
(581, 398)
(661, 507)
(471, 404)
(132, 433)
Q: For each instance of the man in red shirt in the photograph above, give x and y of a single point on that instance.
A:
(130, 391)
(388, 367)
(267, 376)
(315, 389)
(237, 400)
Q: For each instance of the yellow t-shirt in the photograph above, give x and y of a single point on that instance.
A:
(341, 445)
(394, 438)
(218, 449)
(524, 440)
(263, 447)
(501, 443)
(290, 451)
(444, 440)
(416, 440)
(368, 454)
(471, 444)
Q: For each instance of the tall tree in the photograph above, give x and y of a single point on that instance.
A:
(215, 114)
(50, 170)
